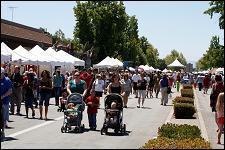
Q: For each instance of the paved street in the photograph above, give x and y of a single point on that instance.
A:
(142, 124)
(209, 119)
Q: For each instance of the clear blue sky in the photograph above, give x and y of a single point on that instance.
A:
(166, 24)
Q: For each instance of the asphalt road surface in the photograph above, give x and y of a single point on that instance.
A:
(141, 125)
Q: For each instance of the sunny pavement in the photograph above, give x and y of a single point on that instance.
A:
(142, 125)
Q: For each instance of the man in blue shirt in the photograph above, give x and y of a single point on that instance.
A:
(6, 91)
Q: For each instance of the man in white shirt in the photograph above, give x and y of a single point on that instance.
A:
(99, 86)
(135, 79)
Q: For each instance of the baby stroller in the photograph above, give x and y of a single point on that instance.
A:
(114, 121)
(73, 117)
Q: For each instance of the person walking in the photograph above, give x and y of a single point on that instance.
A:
(206, 83)
(76, 85)
(200, 81)
(115, 86)
(29, 93)
(164, 87)
(217, 88)
(17, 80)
(93, 103)
(142, 86)
(58, 86)
(126, 82)
(178, 79)
(135, 79)
(45, 92)
(220, 115)
(157, 78)
(99, 86)
(6, 91)
(151, 84)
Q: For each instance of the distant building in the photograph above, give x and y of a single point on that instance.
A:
(15, 34)
(189, 67)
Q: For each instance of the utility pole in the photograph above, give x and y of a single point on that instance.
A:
(12, 8)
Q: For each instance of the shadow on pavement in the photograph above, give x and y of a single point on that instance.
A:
(130, 108)
(118, 134)
(9, 127)
(9, 139)
(146, 107)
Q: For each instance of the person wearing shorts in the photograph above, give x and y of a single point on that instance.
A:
(142, 85)
(98, 86)
(135, 79)
(127, 88)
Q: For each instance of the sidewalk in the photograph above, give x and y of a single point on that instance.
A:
(205, 119)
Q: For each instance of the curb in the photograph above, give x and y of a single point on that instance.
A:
(201, 121)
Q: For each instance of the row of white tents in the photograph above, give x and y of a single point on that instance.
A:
(38, 56)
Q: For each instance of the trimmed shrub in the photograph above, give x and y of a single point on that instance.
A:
(187, 86)
(176, 131)
(166, 143)
(180, 99)
(187, 93)
(184, 110)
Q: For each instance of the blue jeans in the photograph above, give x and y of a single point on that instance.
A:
(5, 113)
(92, 120)
(57, 91)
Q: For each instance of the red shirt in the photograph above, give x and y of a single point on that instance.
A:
(94, 100)
(206, 81)
(86, 77)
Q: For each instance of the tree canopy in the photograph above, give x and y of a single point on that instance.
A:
(217, 7)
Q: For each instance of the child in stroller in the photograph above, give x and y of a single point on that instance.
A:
(63, 101)
(113, 114)
(73, 113)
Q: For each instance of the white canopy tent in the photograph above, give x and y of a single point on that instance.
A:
(58, 57)
(220, 70)
(6, 56)
(107, 62)
(33, 59)
(72, 59)
(116, 62)
(165, 70)
(38, 51)
(176, 63)
(66, 64)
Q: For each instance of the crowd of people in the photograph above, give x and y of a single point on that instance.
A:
(92, 84)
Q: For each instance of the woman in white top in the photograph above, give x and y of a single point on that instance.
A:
(98, 86)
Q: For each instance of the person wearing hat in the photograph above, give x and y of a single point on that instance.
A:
(17, 80)
(6, 91)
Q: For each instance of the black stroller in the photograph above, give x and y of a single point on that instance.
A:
(73, 117)
(113, 117)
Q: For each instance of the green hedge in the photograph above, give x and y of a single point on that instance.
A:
(187, 86)
(176, 131)
(187, 93)
(184, 110)
(166, 143)
(180, 99)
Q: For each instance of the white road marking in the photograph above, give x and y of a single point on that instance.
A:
(170, 116)
(35, 127)
(202, 124)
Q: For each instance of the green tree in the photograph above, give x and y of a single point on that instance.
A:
(175, 55)
(214, 56)
(217, 7)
